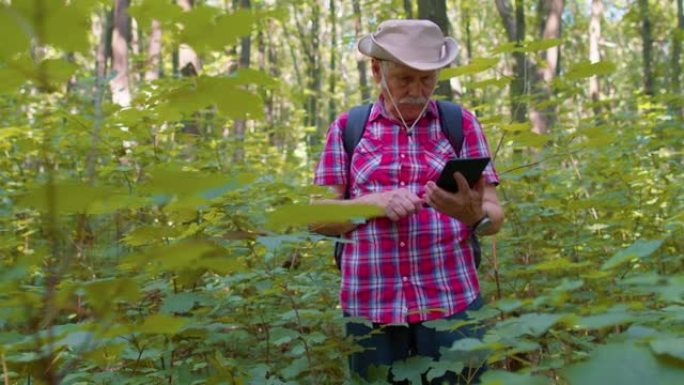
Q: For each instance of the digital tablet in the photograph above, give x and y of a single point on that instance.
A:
(470, 168)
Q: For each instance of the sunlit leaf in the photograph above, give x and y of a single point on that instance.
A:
(541, 45)
(476, 65)
(306, 214)
(671, 347)
(639, 249)
(500, 377)
(587, 69)
(625, 363)
(66, 197)
(161, 324)
(411, 369)
(11, 24)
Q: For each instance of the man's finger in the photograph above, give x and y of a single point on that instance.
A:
(462, 183)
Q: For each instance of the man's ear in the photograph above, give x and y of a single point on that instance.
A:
(375, 68)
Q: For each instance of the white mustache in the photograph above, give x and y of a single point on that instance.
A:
(413, 100)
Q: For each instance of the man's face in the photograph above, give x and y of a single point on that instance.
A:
(409, 87)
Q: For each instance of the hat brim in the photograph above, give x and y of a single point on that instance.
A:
(370, 48)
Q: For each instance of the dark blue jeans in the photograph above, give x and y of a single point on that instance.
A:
(386, 344)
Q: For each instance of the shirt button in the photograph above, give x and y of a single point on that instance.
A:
(402, 183)
(405, 279)
(403, 156)
(402, 244)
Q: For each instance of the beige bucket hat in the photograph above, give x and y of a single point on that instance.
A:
(418, 44)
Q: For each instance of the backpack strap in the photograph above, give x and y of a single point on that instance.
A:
(451, 120)
(357, 118)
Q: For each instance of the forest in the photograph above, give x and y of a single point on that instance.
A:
(156, 165)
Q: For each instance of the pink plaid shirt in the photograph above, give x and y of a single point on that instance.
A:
(421, 267)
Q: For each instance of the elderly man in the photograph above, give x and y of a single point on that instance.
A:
(415, 263)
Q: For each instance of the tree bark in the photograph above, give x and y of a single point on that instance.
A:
(361, 63)
(647, 49)
(121, 94)
(332, 80)
(594, 51)
(240, 125)
(465, 16)
(408, 8)
(675, 82)
(154, 52)
(101, 27)
(188, 61)
(514, 24)
(436, 11)
(550, 27)
(188, 65)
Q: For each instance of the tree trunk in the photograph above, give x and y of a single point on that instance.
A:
(134, 41)
(188, 65)
(239, 125)
(408, 8)
(361, 63)
(332, 80)
(101, 31)
(675, 82)
(465, 15)
(647, 39)
(188, 61)
(594, 52)
(436, 11)
(550, 27)
(514, 24)
(121, 94)
(154, 52)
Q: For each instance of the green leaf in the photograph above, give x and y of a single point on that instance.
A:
(175, 181)
(67, 197)
(161, 324)
(11, 24)
(671, 347)
(500, 377)
(411, 369)
(587, 69)
(476, 65)
(149, 234)
(181, 255)
(625, 363)
(161, 10)
(68, 26)
(639, 249)
(541, 45)
(306, 214)
(178, 303)
(618, 315)
(533, 324)
(531, 139)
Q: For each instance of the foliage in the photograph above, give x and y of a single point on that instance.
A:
(136, 251)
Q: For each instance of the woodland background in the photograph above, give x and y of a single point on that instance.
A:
(155, 168)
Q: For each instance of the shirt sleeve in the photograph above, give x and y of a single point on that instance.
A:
(332, 166)
(475, 145)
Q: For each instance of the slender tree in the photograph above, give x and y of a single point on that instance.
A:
(408, 8)
(436, 11)
(675, 82)
(188, 61)
(550, 12)
(514, 24)
(594, 52)
(361, 63)
(121, 93)
(239, 125)
(332, 78)
(647, 46)
(154, 47)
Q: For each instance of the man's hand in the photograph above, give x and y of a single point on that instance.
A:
(397, 204)
(465, 205)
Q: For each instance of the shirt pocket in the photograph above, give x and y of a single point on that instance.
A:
(373, 165)
(435, 155)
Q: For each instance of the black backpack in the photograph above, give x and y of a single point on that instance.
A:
(451, 121)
